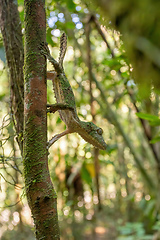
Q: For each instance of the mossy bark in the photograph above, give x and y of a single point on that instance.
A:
(40, 192)
(12, 38)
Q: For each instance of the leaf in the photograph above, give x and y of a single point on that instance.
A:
(155, 139)
(49, 37)
(157, 226)
(155, 122)
(58, 120)
(20, 2)
(148, 117)
(106, 162)
(71, 5)
(153, 119)
(70, 25)
(111, 148)
(2, 54)
(86, 175)
(149, 208)
(90, 168)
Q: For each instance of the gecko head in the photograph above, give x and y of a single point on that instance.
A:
(92, 134)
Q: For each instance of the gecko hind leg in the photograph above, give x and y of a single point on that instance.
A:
(52, 108)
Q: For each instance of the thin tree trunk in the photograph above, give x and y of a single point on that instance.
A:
(40, 192)
(90, 74)
(12, 38)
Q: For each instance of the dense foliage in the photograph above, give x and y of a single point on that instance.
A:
(115, 193)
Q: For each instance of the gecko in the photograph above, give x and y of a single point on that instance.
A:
(65, 101)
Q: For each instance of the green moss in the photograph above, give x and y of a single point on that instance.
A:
(34, 141)
(35, 152)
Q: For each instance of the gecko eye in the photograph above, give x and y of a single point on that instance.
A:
(100, 131)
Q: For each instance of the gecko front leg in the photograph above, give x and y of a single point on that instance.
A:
(52, 108)
(45, 51)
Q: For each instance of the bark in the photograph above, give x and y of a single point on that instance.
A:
(40, 192)
(12, 38)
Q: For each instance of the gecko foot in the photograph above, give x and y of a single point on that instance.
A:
(44, 49)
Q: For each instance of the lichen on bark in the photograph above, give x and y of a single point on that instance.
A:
(40, 192)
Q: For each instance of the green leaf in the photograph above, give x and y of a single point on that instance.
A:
(155, 122)
(155, 139)
(86, 175)
(157, 226)
(58, 121)
(71, 5)
(20, 2)
(70, 25)
(49, 37)
(153, 119)
(111, 147)
(148, 117)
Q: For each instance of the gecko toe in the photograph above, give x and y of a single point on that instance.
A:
(44, 48)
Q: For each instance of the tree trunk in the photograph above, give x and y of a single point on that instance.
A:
(90, 74)
(12, 38)
(40, 193)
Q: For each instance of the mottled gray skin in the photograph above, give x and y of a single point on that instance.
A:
(66, 101)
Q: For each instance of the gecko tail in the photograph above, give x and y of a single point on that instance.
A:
(63, 48)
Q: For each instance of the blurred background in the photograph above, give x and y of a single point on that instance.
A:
(112, 63)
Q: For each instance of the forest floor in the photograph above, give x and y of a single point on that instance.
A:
(90, 230)
(101, 233)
